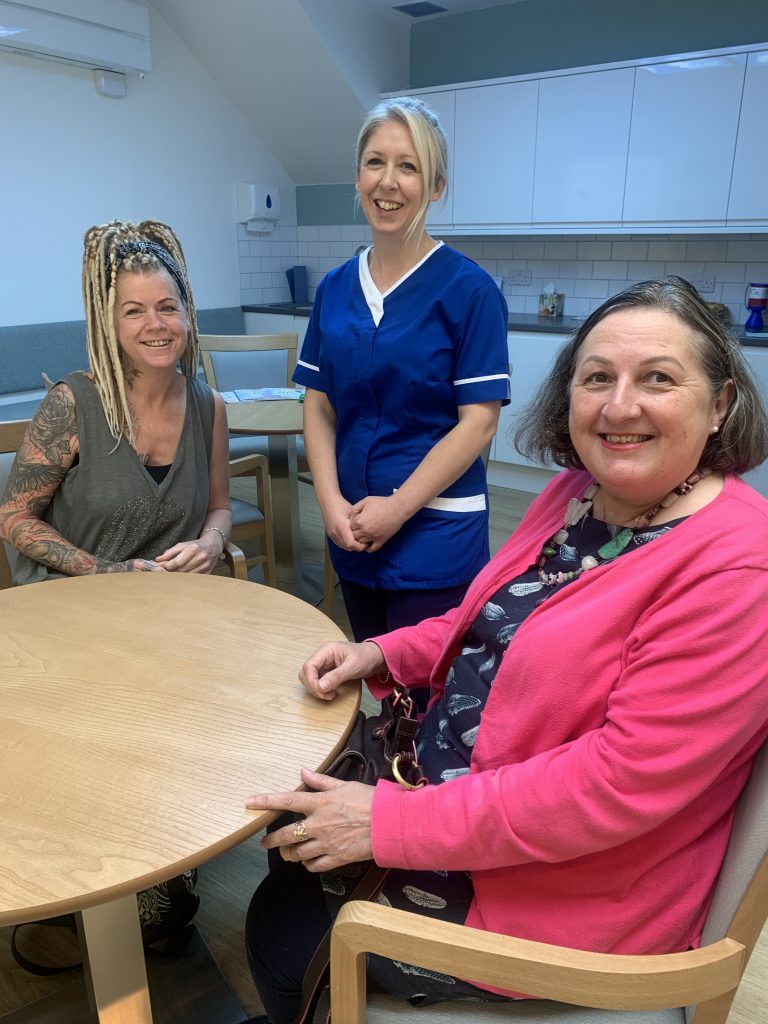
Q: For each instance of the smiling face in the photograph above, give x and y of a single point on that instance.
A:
(641, 408)
(150, 320)
(390, 181)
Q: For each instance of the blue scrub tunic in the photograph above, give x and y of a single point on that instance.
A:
(395, 369)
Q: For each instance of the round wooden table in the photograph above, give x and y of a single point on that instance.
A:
(137, 713)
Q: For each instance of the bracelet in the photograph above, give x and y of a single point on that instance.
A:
(220, 533)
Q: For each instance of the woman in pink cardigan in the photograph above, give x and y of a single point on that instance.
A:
(598, 696)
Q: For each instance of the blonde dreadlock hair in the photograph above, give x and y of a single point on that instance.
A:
(109, 250)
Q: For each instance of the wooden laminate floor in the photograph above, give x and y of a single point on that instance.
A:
(227, 883)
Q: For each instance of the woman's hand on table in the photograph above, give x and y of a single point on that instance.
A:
(337, 822)
(201, 555)
(338, 662)
(135, 565)
(374, 520)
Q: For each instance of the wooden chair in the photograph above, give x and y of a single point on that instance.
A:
(253, 520)
(11, 435)
(694, 987)
(232, 361)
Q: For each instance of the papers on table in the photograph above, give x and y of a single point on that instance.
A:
(263, 395)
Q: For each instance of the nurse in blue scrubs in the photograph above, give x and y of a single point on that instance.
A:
(405, 365)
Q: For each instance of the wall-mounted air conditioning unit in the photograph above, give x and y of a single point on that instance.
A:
(110, 34)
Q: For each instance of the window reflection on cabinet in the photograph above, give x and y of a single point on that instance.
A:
(494, 154)
(443, 103)
(682, 138)
(581, 147)
(749, 198)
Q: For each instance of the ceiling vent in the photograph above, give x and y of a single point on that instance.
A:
(420, 9)
(112, 35)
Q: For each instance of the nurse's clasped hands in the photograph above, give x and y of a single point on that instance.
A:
(374, 520)
(338, 527)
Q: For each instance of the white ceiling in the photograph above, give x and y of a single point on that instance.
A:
(303, 72)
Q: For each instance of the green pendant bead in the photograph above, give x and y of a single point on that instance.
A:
(615, 546)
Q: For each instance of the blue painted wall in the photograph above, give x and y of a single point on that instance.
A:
(548, 35)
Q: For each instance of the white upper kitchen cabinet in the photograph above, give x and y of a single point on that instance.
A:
(749, 197)
(495, 138)
(581, 147)
(443, 103)
(682, 139)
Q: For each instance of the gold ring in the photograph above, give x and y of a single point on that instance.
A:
(300, 832)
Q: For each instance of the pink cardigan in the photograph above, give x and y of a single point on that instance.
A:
(617, 736)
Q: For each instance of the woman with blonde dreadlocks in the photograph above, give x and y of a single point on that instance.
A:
(125, 468)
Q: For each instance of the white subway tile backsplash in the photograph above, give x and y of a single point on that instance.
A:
(528, 250)
(613, 270)
(545, 268)
(594, 250)
(750, 252)
(354, 233)
(316, 250)
(710, 250)
(592, 289)
(576, 268)
(587, 269)
(561, 250)
(725, 272)
(690, 271)
(629, 250)
(644, 271)
(667, 250)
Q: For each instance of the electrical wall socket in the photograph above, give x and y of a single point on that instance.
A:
(518, 278)
(706, 284)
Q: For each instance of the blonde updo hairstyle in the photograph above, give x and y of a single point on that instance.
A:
(113, 249)
(429, 142)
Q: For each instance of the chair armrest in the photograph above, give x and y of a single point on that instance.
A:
(235, 560)
(565, 975)
(249, 465)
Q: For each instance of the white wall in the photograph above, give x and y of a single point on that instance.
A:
(172, 150)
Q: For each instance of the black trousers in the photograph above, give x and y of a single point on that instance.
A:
(292, 909)
(374, 612)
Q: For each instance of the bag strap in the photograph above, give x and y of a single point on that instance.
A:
(317, 974)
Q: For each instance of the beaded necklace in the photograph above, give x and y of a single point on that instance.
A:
(575, 512)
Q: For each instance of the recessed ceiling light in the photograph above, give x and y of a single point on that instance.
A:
(420, 9)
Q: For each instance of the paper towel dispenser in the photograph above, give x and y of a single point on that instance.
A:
(258, 206)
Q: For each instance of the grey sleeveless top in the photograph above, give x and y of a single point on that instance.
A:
(109, 505)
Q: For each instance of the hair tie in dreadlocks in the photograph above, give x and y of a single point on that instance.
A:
(125, 250)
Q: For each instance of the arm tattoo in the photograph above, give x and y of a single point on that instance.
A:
(45, 457)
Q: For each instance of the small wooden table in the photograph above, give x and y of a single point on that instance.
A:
(280, 422)
(137, 713)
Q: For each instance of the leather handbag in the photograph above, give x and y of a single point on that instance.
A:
(381, 746)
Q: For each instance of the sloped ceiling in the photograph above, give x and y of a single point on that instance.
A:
(302, 73)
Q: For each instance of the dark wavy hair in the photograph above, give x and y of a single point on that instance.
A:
(742, 441)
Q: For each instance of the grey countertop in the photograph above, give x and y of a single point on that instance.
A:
(517, 322)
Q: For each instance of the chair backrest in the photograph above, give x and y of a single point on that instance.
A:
(740, 902)
(11, 434)
(233, 361)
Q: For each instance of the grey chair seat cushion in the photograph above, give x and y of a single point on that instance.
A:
(382, 1009)
(243, 513)
(247, 444)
